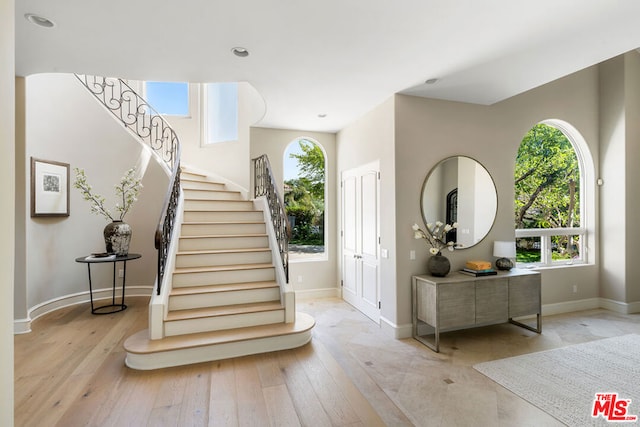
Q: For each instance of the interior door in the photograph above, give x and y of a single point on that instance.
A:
(360, 239)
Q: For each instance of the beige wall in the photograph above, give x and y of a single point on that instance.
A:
(427, 131)
(7, 214)
(371, 139)
(317, 277)
(430, 130)
(65, 123)
(613, 212)
(632, 177)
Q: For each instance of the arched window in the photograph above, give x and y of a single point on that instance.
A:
(551, 195)
(304, 197)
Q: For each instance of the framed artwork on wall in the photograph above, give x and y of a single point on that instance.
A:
(49, 188)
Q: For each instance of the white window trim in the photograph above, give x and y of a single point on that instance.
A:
(545, 235)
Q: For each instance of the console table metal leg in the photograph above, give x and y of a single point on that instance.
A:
(537, 329)
(90, 288)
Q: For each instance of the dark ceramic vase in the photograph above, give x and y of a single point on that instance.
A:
(117, 236)
(438, 265)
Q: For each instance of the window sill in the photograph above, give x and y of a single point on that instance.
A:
(553, 266)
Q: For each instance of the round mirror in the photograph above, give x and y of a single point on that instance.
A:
(460, 190)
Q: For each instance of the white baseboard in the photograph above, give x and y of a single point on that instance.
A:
(395, 331)
(23, 326)
(620, 307)
(570, 306)
(308, 294)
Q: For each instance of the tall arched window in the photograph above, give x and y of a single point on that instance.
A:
(304, 197)
(551, 195)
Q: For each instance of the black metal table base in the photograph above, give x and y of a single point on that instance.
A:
(113, 307)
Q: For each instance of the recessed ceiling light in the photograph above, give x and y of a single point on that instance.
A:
(240, 51)
(322, 115)
(38, 20)
(431, 81)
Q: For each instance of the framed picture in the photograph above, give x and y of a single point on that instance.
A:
(49, 188)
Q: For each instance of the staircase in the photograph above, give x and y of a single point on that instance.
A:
(226, 297)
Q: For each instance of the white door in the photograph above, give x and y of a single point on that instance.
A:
(360, 239)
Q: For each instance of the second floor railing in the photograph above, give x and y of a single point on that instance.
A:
(149, 127)
(265, 185)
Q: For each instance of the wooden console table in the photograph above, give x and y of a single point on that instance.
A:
(460, 301)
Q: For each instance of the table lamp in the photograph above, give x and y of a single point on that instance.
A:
(504, 251)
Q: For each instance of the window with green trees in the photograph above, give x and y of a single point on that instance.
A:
(304, 197)
(547, 198)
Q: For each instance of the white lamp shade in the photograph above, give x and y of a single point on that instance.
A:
(504, 249)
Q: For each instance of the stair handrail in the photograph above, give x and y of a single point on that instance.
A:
(143, 121)
(264, 184)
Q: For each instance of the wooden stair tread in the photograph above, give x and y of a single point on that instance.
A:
(223, 210)
(215, 236)
(223, 251)
(228, 287)
(196, 313)
(221, 222)
(140, 343)
(187, 270)
(231, 200)
(208, 190)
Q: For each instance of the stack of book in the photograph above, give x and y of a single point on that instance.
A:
(478, 268)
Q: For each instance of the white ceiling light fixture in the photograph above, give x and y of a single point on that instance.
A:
(240, 52)
(38, 20)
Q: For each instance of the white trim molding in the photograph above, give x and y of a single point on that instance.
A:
(23, 326)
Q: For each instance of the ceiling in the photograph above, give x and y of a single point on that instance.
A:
(335, 57)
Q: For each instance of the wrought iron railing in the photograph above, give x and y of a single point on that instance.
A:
(149, 126)
(265, 185)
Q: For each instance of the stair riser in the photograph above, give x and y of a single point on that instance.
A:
(202, 185)
(220, 216)
(215, 243)
(233, 258)
(218, 323)
(222, 229)
(219, 299)
(212, 195)
(218, 205)
(223, 277)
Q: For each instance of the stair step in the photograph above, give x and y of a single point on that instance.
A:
(200, 243)
(218, 205)
(145, 354)
(219, 295)
(222, 228)
(207, 194)
(227, 310)
(228, 287)
(220, 216)
(200, 184)
(205, 319)
(223, 257)
(223, 274)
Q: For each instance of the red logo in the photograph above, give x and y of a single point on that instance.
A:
(612, 408)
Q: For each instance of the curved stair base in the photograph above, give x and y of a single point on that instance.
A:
(146, 354)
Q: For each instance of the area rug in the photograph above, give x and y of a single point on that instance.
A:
(564, 382)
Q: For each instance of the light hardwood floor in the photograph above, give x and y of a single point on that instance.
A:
(70, 372)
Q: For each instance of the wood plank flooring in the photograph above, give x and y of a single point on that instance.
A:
(70, 372)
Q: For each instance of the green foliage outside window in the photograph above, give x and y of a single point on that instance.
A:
(547, 190)
(304, 196)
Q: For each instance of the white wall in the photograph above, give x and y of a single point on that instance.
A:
(7, 215)
(65, 123)
(369, 139)
(229, 159)
(316, 277)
